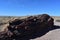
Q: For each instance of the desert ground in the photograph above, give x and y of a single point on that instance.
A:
(53, 34)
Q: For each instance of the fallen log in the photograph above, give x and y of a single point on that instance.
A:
(19, 28)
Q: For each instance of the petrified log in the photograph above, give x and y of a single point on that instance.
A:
(19, 28)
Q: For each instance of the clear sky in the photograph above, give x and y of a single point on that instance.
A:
(29, 7)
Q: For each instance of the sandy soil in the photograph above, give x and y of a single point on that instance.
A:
(51, 35)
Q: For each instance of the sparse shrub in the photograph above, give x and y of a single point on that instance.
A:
(57, 20)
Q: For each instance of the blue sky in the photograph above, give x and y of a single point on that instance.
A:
(29, 7)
